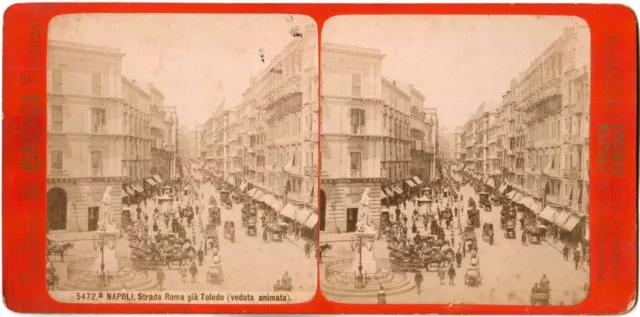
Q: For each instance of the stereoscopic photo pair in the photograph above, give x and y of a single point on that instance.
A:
(228, 158)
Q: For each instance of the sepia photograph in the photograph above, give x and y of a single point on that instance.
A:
(455, 160)
(182, 158)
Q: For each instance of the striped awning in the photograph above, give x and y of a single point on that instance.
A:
(382, 195)
(129, 190)
(548, 213)
(157, 179)
(389, 192)
(258, 194)
(410, 183)
(397, 190)
(417, 180)
(252, 192)
(138, 188)
(312, 221)
(151, 182)
(303, 214)
(289, 211)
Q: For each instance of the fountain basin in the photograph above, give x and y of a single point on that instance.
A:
(81, 275)
(340, 280)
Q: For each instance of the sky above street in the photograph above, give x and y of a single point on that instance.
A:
(457, 62)
(197, 61)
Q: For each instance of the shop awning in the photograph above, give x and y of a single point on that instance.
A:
(517, 197)
(382, 195)
(536, 207)
(410, 183)
(258, 194)
(398, 190)
(490, 182)
(548, 213)
(389, 192)
(129, 191)
(157, 179)
(277, 204)
(303, 214)
(572, 222)
(289, 211)
(151, 182)
(266, 198)
(525, 201)
(252, 192)
(138, 188)
(243, 186)
(312, 221)
(417, 180)
(561, 217)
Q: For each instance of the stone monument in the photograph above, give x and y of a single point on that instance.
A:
(365, 234)
(106, 235)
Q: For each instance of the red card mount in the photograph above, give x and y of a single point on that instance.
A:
(613, 123)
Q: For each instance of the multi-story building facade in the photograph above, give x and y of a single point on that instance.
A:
(353, 134)
(85, 135)
(542, 126)
(270, 140)
(370, 125)
(136, 122)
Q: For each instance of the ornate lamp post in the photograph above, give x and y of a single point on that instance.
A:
(100, 243)
(358, 243)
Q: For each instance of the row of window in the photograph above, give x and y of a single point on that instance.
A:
(56, 162)
(58, 82)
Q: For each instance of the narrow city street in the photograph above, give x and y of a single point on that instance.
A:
(249, 264)
(508, 268)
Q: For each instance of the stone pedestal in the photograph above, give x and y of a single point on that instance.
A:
(110, 260)
(368, 257)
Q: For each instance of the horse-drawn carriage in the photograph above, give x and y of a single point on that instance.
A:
(535, 234)
(146, 257)
(433, 260)
(275, 232)
(470, 237)
(252, 222)
(230, 231)
(225, 199)
(472, 277)
(473, 217)
(214, 275)
(540, 297)
(487, 233)
(510, 228)
(485, 203)
(211, 238)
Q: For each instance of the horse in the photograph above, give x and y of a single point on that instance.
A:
(59, 249)
(320, 252)
(180, 256)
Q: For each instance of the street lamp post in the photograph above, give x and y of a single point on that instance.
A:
(358, 243)
(100, 243)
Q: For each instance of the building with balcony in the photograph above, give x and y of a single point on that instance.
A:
(542, 125)
(269, 141)
(376, 134)
(86, 135)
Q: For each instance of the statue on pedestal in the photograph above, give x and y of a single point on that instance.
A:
(364, 224)
(106, 218)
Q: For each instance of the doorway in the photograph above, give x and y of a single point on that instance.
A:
(93, 216)
(352, 219)
(56, 209)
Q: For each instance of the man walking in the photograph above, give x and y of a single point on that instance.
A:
(418, 279)
(160, 278)
(452, 274)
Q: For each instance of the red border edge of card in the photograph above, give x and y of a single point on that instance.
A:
(613, 195)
